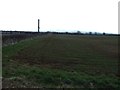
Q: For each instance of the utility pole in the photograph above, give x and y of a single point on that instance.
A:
(38, 25)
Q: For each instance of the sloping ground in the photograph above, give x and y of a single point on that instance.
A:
(70, 52)
(62, 61)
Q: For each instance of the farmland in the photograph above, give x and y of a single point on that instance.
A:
(62, 61)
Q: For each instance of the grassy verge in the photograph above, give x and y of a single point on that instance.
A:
(44, 77)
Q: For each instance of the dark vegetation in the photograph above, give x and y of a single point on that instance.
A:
(12, 37)
(62, 61)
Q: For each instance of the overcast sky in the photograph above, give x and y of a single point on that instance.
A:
(60, 15)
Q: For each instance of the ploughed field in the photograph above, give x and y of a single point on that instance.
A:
(62, 61)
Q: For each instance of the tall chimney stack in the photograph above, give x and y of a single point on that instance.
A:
(38, 25)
